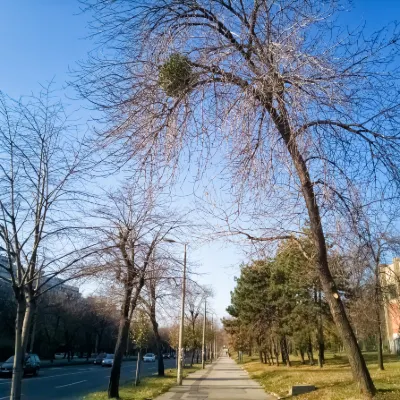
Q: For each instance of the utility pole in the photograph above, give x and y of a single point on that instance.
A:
(203, 360)
(215, 344)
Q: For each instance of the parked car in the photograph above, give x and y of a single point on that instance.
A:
(108, 360)
(149, 357)
(31, 365)
(99, 359)
(166, 356)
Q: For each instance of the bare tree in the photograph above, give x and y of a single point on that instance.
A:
(41, 168)
(195, 297)
(295, 103)
(377, 238)
(156, 286)
(133, 225)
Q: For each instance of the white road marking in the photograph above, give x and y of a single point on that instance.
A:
(56, 368)
(56, 376)
(7, 397)
(70, 384)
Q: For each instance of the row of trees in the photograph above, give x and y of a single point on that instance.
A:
(279, 308)
(64, 323)
(53, 231)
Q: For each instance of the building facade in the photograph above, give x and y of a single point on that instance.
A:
(390, 279)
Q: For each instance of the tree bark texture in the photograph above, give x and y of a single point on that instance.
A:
(154, 323)
(113, 386)
(18, 352)
(138, 365)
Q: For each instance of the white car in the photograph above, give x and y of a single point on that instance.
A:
(108, 360)
(149, 357)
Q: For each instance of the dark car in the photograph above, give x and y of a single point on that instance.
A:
(166, 356)
(99, 359)
(31, 365)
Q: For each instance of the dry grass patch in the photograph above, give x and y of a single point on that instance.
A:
(333, 381)
(149, 388)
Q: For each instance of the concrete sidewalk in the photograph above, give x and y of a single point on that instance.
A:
(223, 379)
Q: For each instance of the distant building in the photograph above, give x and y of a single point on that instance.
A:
(390, 279)
(58, 284)
(3, 273)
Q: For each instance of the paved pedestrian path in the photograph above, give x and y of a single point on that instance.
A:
(222, 380)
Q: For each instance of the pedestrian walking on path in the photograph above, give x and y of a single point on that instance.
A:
(223, 380)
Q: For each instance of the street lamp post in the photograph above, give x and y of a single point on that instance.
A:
(203, 360)
(182, 319)
(211, 341)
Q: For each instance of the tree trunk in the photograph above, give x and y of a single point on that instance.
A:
(358, 366)
(276, 351)
(286, 349)
(160, 360)
(192, 359)
(310, 354)
(128, 339)
(113, 386)
(301, 351)
(18, 352)
(33, 334)
(27, 325)
(260, 354)
(138, 364)
(96, 346)
(282, 347)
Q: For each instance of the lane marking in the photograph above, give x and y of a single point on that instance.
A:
(56, 376)
(70, 384)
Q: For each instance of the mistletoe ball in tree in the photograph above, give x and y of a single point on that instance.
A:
(176, 75)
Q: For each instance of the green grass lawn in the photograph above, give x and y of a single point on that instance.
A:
(149, 388)
(334, 381)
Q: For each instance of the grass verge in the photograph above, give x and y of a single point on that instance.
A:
(149, 388)
(334, 381)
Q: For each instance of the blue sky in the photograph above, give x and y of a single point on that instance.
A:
(42, 39)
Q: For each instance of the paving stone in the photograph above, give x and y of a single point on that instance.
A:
(222, 380)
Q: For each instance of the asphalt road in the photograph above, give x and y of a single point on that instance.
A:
(73, 383)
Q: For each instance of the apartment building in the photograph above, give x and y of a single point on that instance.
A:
(390, 279)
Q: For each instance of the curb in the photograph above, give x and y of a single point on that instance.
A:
(75, 363)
